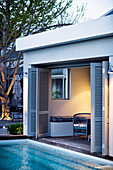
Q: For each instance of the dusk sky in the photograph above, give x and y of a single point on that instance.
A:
(96, 8)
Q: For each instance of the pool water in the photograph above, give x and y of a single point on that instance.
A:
(31, 155)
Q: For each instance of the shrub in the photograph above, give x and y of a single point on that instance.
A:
(15, 129)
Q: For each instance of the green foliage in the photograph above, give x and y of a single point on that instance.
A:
(56, 94)
(20, 130)
(15, 129)
(20, 18)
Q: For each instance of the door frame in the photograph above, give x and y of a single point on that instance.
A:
(38, 111)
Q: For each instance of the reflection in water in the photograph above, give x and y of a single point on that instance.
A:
(25, 160)
(43, 157)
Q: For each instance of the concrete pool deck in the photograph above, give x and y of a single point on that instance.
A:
(12, 137)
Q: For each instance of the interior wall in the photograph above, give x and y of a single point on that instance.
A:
(80, 95)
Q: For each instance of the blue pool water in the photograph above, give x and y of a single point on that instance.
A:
(31, 155)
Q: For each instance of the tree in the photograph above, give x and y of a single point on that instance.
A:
(20, 18)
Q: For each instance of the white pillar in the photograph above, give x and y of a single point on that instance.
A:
(105, 110)
(63, 87)
(25, 98)
(25, 103)
(66, 90)
(111, 108)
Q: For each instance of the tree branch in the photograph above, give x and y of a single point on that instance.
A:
(3, 77)
(13, 79)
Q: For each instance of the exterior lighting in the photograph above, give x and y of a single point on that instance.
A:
(25, 74)
(110, 69)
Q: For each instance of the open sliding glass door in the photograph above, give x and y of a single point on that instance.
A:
(38, 102)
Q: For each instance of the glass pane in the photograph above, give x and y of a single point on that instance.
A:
(60, 83)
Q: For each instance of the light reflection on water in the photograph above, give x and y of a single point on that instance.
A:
(25, 159)
(41, 156)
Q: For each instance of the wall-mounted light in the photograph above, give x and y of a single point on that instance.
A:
(25, 74)
(110, 69)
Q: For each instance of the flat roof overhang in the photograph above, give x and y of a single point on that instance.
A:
(71, 63)
(93, 29)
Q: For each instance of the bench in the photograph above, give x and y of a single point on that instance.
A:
(61, 126)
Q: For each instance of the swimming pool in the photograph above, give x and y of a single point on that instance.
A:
(28, 154)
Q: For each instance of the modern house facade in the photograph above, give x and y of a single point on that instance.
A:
(85, 50)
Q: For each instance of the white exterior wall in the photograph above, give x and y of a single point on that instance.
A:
(76, 51)
(82, 31)
(83, 50)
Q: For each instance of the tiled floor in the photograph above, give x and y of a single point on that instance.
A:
(78, 143)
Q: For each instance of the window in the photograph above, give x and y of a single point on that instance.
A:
(60, 83)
